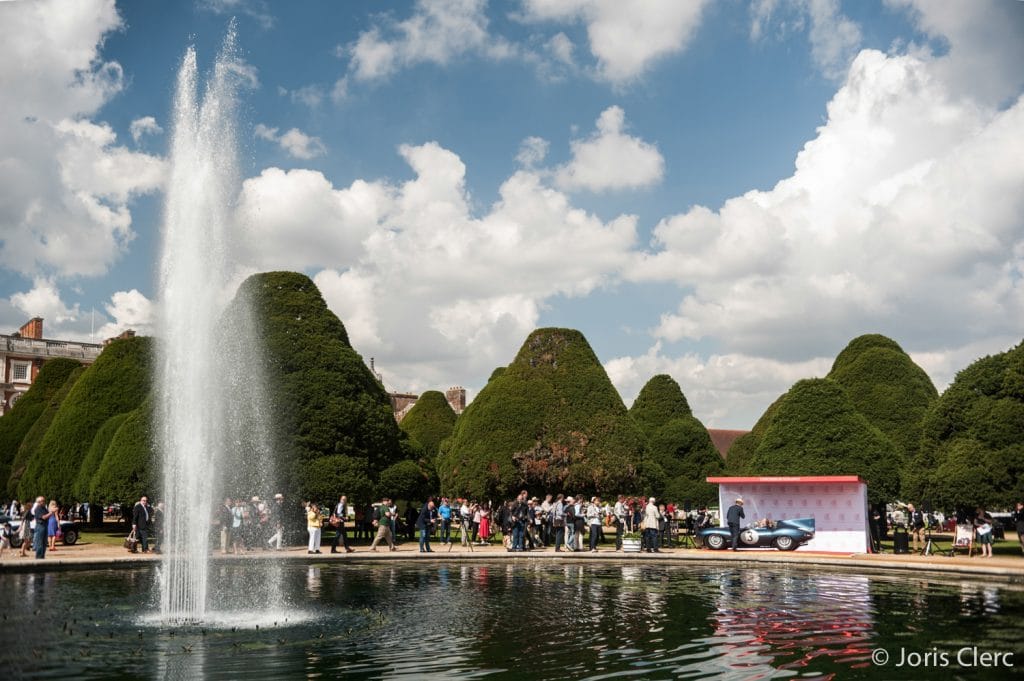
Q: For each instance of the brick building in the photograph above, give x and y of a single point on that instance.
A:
(401, 403)
(23, 353)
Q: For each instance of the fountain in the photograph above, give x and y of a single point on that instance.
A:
(206, 410)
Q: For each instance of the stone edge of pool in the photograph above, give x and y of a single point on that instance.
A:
(1004, 568)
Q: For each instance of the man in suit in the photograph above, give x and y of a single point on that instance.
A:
(140, 522)
(425, 524)
(732, 518)
(341, 513)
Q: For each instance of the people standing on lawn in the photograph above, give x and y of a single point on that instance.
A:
(1018, 523)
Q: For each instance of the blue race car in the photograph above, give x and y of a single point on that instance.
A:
(785, 535)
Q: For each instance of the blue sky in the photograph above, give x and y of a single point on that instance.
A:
(723, 191)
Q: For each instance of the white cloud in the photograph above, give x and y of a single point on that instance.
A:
(985, 49)
(296, 219)
(626, 36)
(67, 186)
(414, 255)
(724, 390)
(611, 159)
(532, 151)
(294, 142)
(834, 37)
(146, 125)
(43, 300)
(436, 32)
(130, 310)
(309, 95)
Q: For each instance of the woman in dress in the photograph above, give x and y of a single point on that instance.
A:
(485, 523)
(25, 529)
(53, 526)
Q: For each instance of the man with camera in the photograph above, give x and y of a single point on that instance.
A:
(915, 522)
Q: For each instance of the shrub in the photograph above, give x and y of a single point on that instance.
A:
(551, 421)
(34, 437)
(430, 421)
(129, 468)
(116, 382)
(815, 430)
(16, 424)
(94, 458)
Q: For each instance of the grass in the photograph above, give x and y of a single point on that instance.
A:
(943, 543)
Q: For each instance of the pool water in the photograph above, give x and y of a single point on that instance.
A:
(513, 620)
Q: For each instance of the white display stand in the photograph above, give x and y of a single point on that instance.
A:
(838, 504)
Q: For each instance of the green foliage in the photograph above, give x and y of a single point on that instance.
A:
(324, 479)
(816, 430)
(407, 480)
(27, 410)
(326, 402)
(116, 382)
(129, 468)
(887, 387)
(430, 421)
(551, 421)
(972, 446)
(659, 401)
(678, 444)
(498, 371)
(34, 437)
(94, 458)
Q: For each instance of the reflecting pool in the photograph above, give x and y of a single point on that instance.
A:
(513, 620)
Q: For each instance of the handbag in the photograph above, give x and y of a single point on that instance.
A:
(131, 542)
(335, 521)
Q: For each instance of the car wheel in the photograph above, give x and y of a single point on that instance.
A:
(715, 541)
(785, 543)
(70, 537)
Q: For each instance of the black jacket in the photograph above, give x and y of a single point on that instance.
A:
(141, 517)
(425, 519)
(734, 514)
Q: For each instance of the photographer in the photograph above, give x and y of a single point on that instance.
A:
(915, 522)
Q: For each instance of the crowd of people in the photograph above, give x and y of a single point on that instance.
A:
(524, 523)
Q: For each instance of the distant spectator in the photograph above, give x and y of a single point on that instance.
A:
(1018, 521)
(53, 525)
(313, 522)
(983, 528)
(141, 522)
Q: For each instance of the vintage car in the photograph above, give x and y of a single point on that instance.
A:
(68, 528)
(785, 535)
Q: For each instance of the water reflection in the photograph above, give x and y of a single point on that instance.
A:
(522, 620)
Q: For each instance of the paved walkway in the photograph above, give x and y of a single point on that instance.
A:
(90, 556)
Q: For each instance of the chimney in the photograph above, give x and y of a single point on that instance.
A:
(456, 397)
(33, 328)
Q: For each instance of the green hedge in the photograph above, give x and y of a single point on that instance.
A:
(887, 387)
(552, 421)
(116, 382)
(972, 446)
(326, 402)
(430, 421)
(94, 458)
(130, 467)
(677, 443)
(34, 437)
(15, 425)
(816, 430)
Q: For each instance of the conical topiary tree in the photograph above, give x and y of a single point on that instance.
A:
(34, 437)
(972, 447)
(816, 430)
(887, 387)
(677, 442)
(129, 468)
(551, 421)
(430, 421)
(326, 402)
(117, 382)
(27, 410)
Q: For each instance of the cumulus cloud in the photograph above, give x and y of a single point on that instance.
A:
(146, 125)
(834, 37)
(626, 36)
(436, 32)
(611, 159)
(44, 300)
(129, 310)
(294, 142)
(728, 390)
(67, 184)
(257, 10)
(416, 255)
